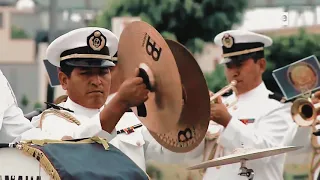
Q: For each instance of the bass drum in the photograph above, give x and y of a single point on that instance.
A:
(82, 159)
(14, 164)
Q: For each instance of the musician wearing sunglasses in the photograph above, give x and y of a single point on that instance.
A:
(86, 66)
(257, 119)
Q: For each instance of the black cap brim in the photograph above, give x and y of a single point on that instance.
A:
(94, 63)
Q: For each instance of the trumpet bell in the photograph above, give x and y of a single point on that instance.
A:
(303, 112)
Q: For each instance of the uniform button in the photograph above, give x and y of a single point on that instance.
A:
(235, 107)
(138, 143)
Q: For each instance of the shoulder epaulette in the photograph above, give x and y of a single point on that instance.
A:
(278, 97)
(54, 106)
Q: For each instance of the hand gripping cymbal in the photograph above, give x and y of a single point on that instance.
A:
(195, 116)
(142, 46)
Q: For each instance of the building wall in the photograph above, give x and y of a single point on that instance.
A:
(24, 81)
(19, 51)
(209, 58)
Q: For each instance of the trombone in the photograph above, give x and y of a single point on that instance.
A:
(227, 88)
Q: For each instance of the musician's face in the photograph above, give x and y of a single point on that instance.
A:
(117, 79)
(247, 73)
(88, 87)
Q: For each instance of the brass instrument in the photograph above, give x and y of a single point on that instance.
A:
(227, 88)
(303, 112)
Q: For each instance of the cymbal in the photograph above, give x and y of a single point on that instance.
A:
(244, 154)
(142, 46)
(194, 120)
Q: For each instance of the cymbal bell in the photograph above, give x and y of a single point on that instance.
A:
(142, 46)
(244, 154)
(195, 116)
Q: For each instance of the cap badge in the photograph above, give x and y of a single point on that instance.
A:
(227, 40)
(96, 40)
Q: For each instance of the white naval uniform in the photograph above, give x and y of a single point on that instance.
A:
(315, 146)
(272, 127)
(57, 127)
(13, 125)
(140, 146)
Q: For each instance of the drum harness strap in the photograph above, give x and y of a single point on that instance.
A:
(56, 110)
(65, 115)
(210, 140)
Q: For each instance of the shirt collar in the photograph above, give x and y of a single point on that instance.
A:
(256, 92)
(78, 109)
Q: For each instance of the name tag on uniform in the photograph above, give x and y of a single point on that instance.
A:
(247, 121)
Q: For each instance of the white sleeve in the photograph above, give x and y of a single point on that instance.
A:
(57, 127)
(12, 121)
(93, 128)
(272, 130)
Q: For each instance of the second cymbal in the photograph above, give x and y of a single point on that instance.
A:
(142, 46)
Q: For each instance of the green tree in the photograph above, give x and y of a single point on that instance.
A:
(191, 22)
(154, 172)
(288, 49)
(37, 105)
(216, 80)
(18, 33)
(24, 101)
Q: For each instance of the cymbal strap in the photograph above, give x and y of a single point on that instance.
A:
(8, 145)
(142, 111)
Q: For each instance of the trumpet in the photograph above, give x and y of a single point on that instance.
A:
(303, 112)
(227, 88)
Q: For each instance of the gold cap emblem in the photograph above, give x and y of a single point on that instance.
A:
(227, 41)
(96, 40)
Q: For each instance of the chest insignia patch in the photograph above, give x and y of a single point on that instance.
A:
(247, 121)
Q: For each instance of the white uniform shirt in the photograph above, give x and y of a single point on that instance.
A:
(56, 127)
(13, 125)
(139, 146)
(272, 127)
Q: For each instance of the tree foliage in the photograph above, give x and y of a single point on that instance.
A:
(191, 22)
(288, 49)
(216, 80)
(154, 172)
(18, 33)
